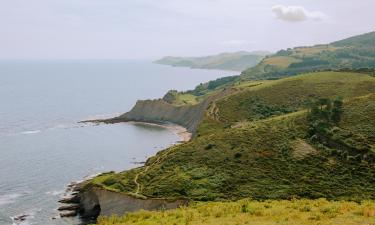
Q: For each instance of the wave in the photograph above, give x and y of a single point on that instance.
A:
(31, 132)
(55, 192)
(10, 198)
(21, 219)
(68, 125)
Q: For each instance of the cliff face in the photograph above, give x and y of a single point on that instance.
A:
(159, 110)
(96, 201)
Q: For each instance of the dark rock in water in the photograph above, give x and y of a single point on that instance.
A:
(20, 218)
(69, 207)
(70, 199)
(68, 213)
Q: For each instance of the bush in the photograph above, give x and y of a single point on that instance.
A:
(109, 181)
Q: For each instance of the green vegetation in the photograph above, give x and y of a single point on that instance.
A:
(278, 97)
(181, 98)
(236, 61)
(295, 212)
(200, 92)
(257, 143)
(209, 87)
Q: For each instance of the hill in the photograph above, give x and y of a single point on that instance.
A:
(352, 53)
(260, 142)
(364, 40)
(236, 61)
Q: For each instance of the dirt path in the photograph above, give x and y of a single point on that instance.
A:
(213, 112)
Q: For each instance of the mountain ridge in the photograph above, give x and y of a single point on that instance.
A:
(236, 61)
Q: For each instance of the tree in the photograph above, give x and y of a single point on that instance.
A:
(323, 115)
(337, 110)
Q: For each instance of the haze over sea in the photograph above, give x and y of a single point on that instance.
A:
(43, 148)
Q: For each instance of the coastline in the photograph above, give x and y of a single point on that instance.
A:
(75, 201)
(178, 130)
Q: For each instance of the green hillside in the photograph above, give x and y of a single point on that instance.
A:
(365, 40)
(352, 53)
(263, 142)
(236, 61)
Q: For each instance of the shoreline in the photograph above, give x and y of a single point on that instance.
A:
(73, 198)
(178, 130)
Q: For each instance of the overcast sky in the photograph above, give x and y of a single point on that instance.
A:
(149, 29)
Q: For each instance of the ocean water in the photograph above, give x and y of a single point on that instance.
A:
(43, 148)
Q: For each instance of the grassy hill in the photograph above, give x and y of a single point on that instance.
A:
(256, 144)
(355, 52)
(364, 40)
(236, 61)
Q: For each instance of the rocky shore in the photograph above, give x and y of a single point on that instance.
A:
(90, 202)
(70, 202)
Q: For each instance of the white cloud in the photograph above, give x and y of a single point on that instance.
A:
(296, 13)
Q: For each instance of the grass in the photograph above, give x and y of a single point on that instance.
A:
(277, 97)
(294, 212)
(280, 61)
(184, 98)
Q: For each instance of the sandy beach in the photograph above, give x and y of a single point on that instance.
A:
(181, 131)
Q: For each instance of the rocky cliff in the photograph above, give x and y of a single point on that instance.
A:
(161, 111)
(96, 201)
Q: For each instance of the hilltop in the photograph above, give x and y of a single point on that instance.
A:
(352, 53)
(236, 61)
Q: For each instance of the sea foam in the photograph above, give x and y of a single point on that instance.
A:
(31, 132)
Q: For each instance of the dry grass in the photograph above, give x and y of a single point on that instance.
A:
(280, 61)
(294, 212)
(301, 149)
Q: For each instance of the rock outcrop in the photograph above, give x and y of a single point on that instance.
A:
(161, 111)
(96, 201)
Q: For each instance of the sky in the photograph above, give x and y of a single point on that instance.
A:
(150, 29)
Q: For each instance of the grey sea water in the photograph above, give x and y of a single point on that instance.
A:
(43, 148)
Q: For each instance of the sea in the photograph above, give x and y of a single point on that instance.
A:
(43, 147)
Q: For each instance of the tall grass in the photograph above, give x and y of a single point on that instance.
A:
(294, 212)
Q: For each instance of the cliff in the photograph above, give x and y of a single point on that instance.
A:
(96, 201)
(161, 111)
(158, 111)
